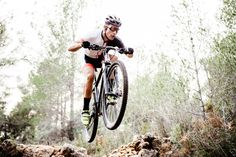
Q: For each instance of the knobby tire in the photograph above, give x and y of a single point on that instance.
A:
(92, 128)
(115, 124)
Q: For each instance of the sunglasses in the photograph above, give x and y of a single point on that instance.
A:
(114, 29)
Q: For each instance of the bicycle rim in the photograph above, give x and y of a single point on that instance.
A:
(91, 129)
(118, 79)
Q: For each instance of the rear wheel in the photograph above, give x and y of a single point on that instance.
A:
(91, 129)
(114, 110)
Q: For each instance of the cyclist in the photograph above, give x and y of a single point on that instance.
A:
(105, 37)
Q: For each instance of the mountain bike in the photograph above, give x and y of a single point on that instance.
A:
(109, 93)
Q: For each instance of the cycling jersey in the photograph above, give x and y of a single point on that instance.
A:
(96, 38)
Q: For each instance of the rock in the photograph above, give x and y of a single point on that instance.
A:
(10, 149)
(156, 144)
(165, 147)
(148, 153)
(141, 146)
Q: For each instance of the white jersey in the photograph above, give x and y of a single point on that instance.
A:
(95, 37)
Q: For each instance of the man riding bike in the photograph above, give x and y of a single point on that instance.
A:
(93, 59)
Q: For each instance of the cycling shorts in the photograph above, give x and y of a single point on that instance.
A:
(95, 62)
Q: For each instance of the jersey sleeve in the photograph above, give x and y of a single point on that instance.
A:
(116, 42)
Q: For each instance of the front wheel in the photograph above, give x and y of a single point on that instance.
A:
(114, 103)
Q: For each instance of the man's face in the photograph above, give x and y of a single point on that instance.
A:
(111, 32)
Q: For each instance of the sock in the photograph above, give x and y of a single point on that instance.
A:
(86, 103)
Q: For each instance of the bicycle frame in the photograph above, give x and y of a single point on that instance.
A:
(102, 77)
(106, 94)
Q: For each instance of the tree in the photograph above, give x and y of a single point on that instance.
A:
(2, 120)
(228, 15)
(4, 41)
(2, 34)
(193, 39)
(155, 105)
(54, 80)
(48, 95)
(20, 122)
(3, 94)
(222, 64)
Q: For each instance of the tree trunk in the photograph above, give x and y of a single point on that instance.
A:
(72, 93)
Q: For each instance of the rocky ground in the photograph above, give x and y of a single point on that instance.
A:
(148, 146)
(9, 149)
(142, 146)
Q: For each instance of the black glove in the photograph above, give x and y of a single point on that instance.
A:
(130, 50)
(122, 50)
(85, 44)
(127, 50)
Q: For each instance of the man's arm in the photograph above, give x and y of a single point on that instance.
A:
(76, 46)
(118, 42)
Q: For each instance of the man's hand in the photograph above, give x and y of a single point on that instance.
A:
(130, 52)
(85, 44)
(129, 55)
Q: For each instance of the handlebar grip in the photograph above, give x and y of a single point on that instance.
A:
(94, 47)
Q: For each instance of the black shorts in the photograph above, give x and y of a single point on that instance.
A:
(96, 62)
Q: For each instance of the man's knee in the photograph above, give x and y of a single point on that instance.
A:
(89, 73)
(90, 77)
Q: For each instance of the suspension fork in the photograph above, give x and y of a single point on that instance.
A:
(105, 68)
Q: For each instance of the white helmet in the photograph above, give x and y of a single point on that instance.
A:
(113, 20)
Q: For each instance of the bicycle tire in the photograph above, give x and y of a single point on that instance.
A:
(91, 129)
(107, 115)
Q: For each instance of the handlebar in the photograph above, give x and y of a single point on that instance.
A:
(87, 45)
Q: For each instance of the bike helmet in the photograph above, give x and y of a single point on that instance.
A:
(113, 20)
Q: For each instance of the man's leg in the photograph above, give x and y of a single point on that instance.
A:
(113, 58)
(89, 76)
(112, 99)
